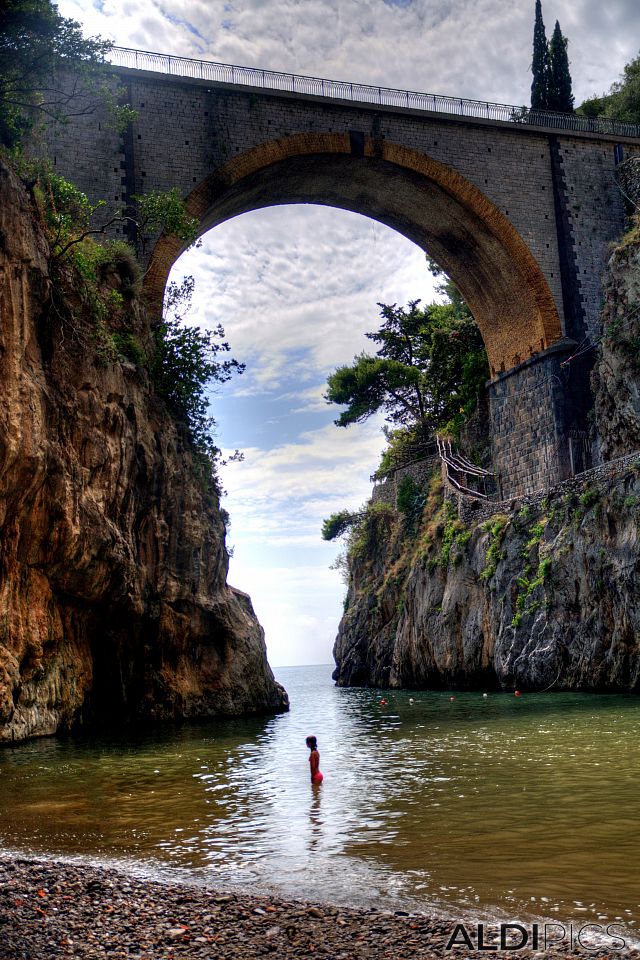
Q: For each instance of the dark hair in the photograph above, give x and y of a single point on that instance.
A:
(312, 743)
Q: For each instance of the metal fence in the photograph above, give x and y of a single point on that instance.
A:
(363, 93)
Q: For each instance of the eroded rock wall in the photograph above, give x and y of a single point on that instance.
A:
(541, 596)
(616, 374)
(113, 597)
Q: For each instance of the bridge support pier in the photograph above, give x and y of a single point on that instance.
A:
(532, 411)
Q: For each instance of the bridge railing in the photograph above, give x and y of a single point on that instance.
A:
(363, 93)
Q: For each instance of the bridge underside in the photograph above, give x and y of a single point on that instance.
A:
(419, 197)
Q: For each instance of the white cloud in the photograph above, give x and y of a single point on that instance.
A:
(300, 281)
(479, 49)
(278, 499)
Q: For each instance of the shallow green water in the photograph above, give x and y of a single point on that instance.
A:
(490, 805)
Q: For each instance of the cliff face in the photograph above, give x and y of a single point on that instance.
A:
(113, 597)
(616, 375)
(541, 595)
(545, 595)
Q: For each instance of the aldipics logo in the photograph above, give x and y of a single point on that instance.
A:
(588, 937)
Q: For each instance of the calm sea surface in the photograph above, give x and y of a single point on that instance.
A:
(493, 806)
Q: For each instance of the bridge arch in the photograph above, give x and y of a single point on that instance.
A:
(421, 198)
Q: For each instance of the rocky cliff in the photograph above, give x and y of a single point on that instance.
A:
(543, 593)
(113, 597)
(616, 376)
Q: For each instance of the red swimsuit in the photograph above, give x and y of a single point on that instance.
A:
(314, 760)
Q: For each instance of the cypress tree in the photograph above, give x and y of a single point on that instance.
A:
(540, 65)
(560, 95)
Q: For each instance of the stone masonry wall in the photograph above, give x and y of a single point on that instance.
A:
(387, 490)
(187, 128)
(529, 419)
(557, 189)
(595, 210)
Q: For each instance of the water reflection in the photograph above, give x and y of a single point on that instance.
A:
(315, 835)
(525, 806)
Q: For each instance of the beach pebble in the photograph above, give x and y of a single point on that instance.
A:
(112, 916)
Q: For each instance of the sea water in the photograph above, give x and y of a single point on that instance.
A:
(448, 802)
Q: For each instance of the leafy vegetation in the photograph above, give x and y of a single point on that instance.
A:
(339, 523)
(455, 537)
(551, 85)
(524, 605)
(497, 528)
(37, 45)
(428, 372)
(622, 102)
(560, 95)
(540, 65)
(370, 532)
(185, 362)
(70, 218)
(163, 210)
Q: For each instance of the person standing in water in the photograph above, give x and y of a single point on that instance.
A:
(314, 760)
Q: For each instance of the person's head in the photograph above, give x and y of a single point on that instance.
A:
(312, 743)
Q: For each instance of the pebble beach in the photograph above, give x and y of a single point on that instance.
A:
(50, 910)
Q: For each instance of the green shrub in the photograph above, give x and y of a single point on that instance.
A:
(371, 533)
(455, 537)
(338, 524)
(127, 346)
(497, 528)
(183, 364)
(589, 498)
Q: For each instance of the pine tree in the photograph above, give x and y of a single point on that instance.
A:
(540, 65)
(560, 96)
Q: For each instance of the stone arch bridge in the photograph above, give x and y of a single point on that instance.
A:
(517, 206)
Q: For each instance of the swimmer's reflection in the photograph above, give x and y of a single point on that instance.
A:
(316, 823)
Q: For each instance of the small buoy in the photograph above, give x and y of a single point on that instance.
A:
(517, 693)
(383, 703)
(451, 698)
(485, 694)
(411, 700)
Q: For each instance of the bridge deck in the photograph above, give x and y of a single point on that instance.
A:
(225, 73)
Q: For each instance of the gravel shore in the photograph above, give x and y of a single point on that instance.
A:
(50, 910)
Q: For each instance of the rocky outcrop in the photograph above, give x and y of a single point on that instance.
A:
(616, 375)
(113, 597)
(542, 596)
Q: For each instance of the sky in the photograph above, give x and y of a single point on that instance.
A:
(297, 287)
